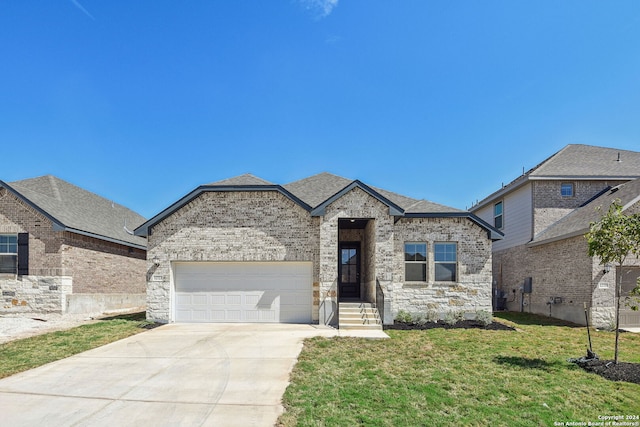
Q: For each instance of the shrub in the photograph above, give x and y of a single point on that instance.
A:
(452, 317)
(404, 316)
(432, 316)
(485, 317)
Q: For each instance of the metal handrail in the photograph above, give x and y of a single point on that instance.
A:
(380, 299)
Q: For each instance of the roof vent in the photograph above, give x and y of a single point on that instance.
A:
(618, 158)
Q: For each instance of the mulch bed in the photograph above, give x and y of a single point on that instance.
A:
(623, 371)
(463, 324)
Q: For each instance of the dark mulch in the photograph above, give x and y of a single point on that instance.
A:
(463, 324)
(151, 325)
(623, 371)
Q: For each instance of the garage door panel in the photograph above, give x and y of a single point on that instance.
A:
(218, 315)
(243, 292)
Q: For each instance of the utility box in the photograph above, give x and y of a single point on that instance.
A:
(528, 285)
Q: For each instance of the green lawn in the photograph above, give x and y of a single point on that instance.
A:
(459, 377)
(21, 355)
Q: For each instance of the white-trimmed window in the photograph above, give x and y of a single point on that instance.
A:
(566, 189)
(445, 256)
(498, 217)
(415, 262)
(8, 254)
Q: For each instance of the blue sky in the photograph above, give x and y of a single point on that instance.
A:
(142, 101)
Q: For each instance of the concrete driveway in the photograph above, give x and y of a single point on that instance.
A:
(174, 375)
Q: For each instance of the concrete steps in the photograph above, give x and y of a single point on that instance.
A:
(359, 315)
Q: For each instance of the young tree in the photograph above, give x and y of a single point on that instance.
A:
(613, 238)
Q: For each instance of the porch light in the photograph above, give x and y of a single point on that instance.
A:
(607, 268)
(156, 261)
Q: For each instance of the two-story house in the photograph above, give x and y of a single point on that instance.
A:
(541, 265)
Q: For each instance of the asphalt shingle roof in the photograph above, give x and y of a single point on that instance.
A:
(317, 188)
(586, 160)
(576, 161)
(246, 179)
(82, 210)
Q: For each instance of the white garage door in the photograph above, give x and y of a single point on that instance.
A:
(243, 292)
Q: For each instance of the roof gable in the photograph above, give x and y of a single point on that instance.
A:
(394, 209)
(316, 192)
(74, 209)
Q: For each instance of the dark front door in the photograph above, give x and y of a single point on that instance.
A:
(349, 271)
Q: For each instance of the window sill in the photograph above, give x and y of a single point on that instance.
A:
(416, 284)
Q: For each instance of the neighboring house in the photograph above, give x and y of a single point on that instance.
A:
(542, 266)
(66, 250)
(246, 250)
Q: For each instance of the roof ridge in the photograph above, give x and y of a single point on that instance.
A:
(242, 180)
(54, 187)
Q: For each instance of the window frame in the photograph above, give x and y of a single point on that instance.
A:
(414, 262)
(570, 185)
(500, 215)
(446, 261)
(9, 250)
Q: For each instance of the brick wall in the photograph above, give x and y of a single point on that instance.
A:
(98, 266)
(562, 272)
(549, 205)
(44, 243)
(229, 226)
(61, 263)
(266, 226)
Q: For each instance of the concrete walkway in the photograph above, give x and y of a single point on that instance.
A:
(175, 375)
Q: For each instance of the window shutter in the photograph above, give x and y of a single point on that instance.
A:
(23, 254)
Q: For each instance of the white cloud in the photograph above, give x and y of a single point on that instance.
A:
(85, 11)
(322, 7)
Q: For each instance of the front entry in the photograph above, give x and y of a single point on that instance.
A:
(349, 271)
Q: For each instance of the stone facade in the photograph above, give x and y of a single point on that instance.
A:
(62, 263)
(377, 247)
(41, 294)
(470, 294)
(267, 226)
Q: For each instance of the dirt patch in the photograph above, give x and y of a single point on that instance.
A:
(623, 371)
(462, 324)
(25, 325)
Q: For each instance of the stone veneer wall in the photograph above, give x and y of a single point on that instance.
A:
(229, 226)
(355, 204)
(470, 294)
(35, 294)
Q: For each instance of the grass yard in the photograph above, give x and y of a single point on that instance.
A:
(459, 377)
(21, 355)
